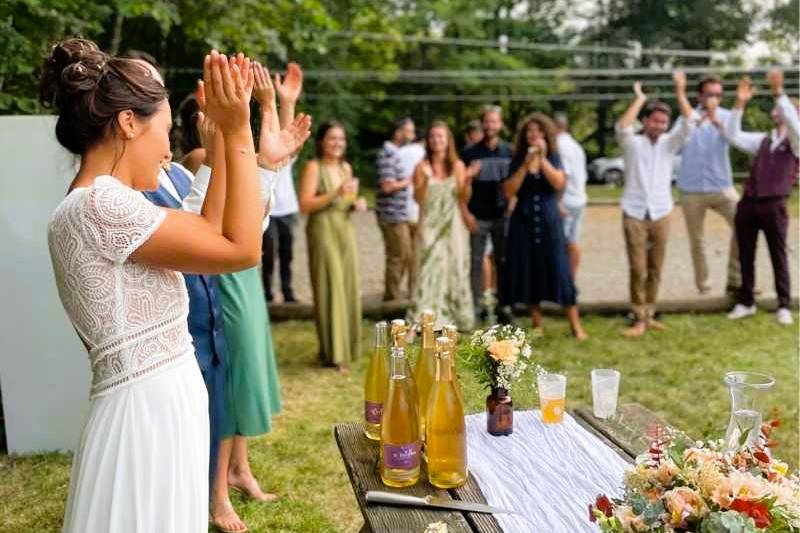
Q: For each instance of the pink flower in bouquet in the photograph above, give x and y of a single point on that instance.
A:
(739, 485)
(629, 520)
(702, 456)
(504, 351)
(683, 503)
(666, 472)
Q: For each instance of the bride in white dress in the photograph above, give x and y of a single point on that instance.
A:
(142, 461)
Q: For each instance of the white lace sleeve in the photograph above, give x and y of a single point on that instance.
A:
(118, 219)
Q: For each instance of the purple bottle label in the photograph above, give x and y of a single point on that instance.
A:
(401, 455)
(373, 412)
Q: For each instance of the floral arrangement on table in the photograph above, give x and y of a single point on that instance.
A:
(703, 489)
(498, 356)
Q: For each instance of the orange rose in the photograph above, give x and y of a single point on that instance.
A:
(503, 351)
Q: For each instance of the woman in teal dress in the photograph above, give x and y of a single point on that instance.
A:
(252, 388)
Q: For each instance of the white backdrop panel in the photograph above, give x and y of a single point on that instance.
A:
(44, 369)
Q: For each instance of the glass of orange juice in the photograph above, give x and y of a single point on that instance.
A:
(552, 397)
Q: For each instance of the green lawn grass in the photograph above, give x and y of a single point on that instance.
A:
(677, 374)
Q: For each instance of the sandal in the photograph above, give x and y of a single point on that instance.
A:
(248, 492)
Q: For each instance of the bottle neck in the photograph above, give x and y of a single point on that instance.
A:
(398, 334)
(427, 336)
(381, 335)
(444, 369)
(398, 366)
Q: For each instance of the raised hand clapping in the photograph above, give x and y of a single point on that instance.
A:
(679, 78)
(264, 91)
(205, 126)
(744, 91)
(291, 86)
(775, 80)
(274, 147)
(637, 90)
(227, 87)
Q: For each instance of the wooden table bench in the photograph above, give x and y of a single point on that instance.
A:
(626, 434)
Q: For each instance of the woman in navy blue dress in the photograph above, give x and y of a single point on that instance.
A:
(537, 265)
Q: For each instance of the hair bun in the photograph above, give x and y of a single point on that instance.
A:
(74, 65)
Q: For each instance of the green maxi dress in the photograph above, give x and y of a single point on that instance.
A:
(252, 390)
(443, 258)
(333, 268)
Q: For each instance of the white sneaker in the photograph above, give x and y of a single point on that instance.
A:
(741, 311)
(784, 317)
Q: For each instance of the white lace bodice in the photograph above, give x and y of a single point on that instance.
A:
(132, 317)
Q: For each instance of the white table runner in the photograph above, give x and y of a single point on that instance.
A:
(548, 474)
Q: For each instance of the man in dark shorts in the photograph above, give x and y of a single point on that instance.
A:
(487, 167)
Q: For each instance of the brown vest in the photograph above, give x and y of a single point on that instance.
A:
(774, 172)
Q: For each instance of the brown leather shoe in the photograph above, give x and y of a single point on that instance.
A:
(636, 330)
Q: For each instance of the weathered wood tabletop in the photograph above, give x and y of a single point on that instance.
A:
(626, 433)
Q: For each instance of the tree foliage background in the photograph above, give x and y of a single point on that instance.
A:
(327, 38)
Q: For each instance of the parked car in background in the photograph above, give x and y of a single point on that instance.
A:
(607, 170)
(611, 170)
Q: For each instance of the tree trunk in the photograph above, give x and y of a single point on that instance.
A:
(116, 37)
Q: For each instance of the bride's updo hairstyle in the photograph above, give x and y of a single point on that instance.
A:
(88, 88)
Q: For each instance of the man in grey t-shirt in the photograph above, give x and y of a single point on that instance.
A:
(392, 210)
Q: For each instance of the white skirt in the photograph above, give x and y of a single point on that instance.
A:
(142, 463)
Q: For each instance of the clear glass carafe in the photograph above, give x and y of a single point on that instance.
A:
(747, 390)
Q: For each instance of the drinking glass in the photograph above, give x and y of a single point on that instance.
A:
(605, 391)
(552, 397)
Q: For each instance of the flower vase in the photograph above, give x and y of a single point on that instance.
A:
(499, 412)
(747, 391)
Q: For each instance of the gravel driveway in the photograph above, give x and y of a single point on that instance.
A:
(603, 275)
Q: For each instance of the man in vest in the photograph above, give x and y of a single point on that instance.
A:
(763, 204)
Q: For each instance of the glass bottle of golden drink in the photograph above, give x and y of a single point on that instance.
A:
(446, 432)
(398, 334)
(425, 369)
(376, 383)
(400, 442)
(451, 332)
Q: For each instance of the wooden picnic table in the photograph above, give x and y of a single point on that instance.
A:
(625, 433)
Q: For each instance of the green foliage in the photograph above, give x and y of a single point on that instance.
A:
(27, 27)
(702, 25)
(179, 32)
(728, 522)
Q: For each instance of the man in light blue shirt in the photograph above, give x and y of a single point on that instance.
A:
(705, 182)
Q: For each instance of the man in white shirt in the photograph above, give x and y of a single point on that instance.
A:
(647, 199)
(573, 201)
(281, 233)
(408, 157)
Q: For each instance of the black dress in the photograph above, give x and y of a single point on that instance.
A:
(537, 266)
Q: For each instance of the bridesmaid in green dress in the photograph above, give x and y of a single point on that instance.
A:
(441, 190)
(328, 194)
(252, 388)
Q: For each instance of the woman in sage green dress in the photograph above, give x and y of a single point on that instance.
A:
(328, 194)
(440, 188)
